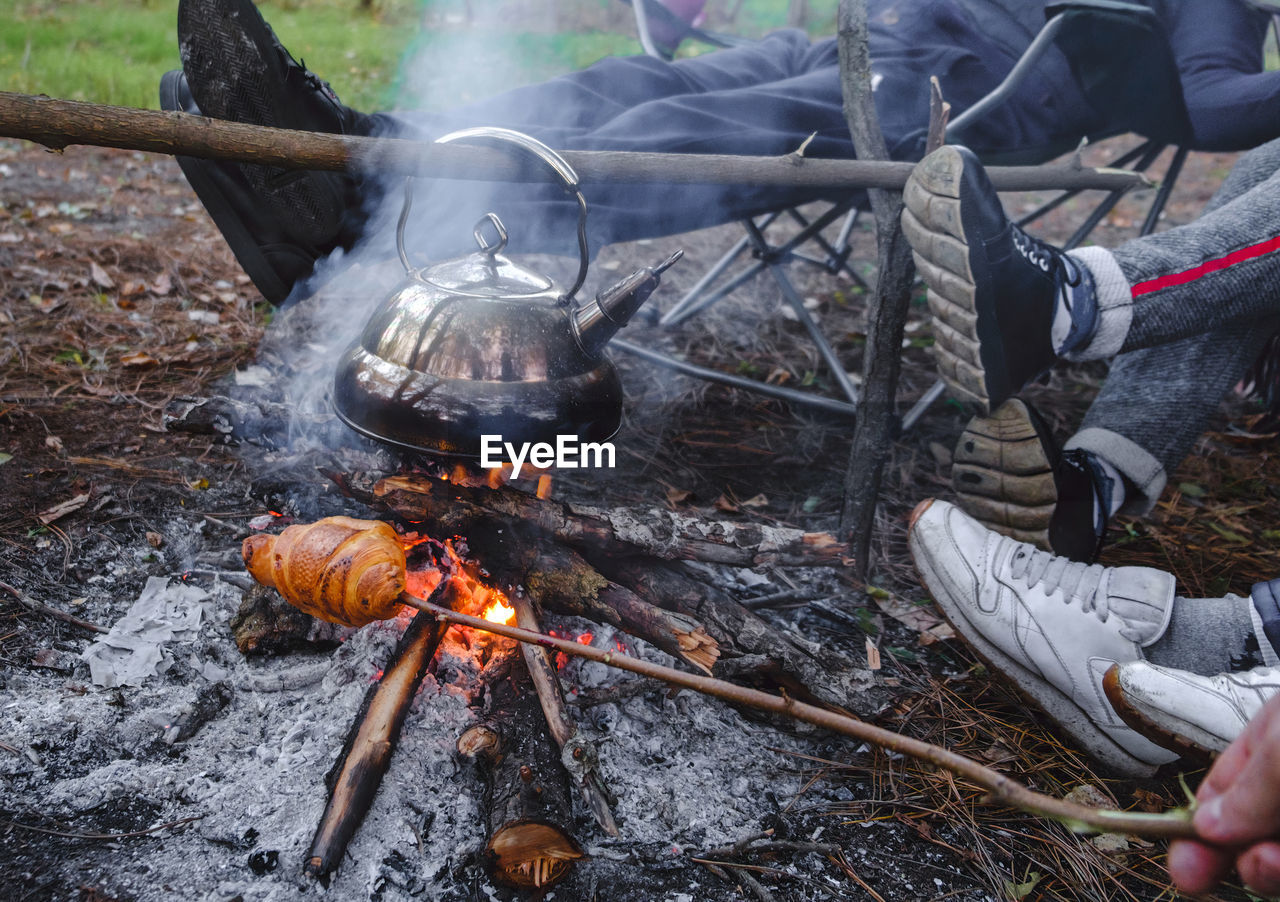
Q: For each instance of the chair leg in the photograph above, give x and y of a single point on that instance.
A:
(825, 350)
(1162, 195)
(818, 402)
(1108, 204)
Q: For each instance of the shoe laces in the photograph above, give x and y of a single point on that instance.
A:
(1059, 574)
(1047, 258)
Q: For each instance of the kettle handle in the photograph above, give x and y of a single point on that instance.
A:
(557, 163)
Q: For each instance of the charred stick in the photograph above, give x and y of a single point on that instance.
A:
(876, 422)
(41, 608)
(59, 123)
(576, 754)
(358, 772)
(1001, 789)
(526, 797)
(750, 647)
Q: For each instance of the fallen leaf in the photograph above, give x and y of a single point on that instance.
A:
(100, 276)
(724, 503)
(1019, 891)
(5, 458)
(154, 539)
(757, 501)
(58, 511)
(162, 285)
(678, 496)
(138, 359)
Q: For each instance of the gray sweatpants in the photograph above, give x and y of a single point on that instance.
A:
(1184, 313)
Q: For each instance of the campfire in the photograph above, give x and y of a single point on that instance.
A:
(509, 557)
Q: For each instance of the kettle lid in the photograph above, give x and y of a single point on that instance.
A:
(487, 273)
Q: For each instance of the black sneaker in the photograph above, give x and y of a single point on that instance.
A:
(1009, 475)
(236, 69)
(993, 289)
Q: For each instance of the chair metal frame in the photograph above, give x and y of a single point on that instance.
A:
(775, 255)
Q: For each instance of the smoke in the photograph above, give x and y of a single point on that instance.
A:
(453, 62)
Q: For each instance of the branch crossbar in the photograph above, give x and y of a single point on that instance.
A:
(59, 123)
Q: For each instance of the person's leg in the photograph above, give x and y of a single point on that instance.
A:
(1006, 305)
(1223, 268)
(1157, 401)
(765, 99)
(1150, 410)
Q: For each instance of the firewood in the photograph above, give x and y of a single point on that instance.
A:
(561, 582)
(749, 646)
(358, 772)
(446, 508)
(576, 754)
(526, 794)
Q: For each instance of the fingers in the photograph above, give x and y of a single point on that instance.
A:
(1259, 868)
(1239, 802)
(1196, 867)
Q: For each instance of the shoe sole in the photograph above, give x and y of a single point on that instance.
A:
(970, 366)
(225, 48)
(1194, 744)
(1002, 472)
(1066, 714)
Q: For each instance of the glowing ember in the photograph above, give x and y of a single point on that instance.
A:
(500, 612)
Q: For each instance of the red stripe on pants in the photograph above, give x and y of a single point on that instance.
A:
(1252, 252)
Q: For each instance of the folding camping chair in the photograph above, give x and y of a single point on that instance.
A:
(1121, 59)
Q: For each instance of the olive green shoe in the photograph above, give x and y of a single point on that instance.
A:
(1010, 476)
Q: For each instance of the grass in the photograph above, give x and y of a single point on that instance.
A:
(114, 51)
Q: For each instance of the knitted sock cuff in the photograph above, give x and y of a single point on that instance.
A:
(1114, 296)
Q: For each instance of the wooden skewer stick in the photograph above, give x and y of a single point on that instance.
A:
(1001, 790)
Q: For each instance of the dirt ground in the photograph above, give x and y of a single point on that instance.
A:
(120, 296)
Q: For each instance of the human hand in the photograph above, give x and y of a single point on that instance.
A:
(1237, 814)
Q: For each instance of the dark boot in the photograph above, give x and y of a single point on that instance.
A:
(993, 289)
(278, 222)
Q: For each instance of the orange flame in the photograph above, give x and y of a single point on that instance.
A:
(499, 611)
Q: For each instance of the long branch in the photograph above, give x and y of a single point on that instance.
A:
(1001, 789)
(59, 123)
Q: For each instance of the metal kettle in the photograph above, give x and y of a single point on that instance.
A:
(479, 345)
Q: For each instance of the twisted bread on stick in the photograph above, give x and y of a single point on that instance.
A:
(339, 569)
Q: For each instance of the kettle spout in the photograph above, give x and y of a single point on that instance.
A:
(598, 320)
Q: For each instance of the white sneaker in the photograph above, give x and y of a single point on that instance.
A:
(1186, 712)
(1052, 625)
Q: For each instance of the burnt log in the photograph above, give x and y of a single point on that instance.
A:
(448, 508)
(562, 582)
(576, 754)
(355, 777)
(526, 790)
(750, 648)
